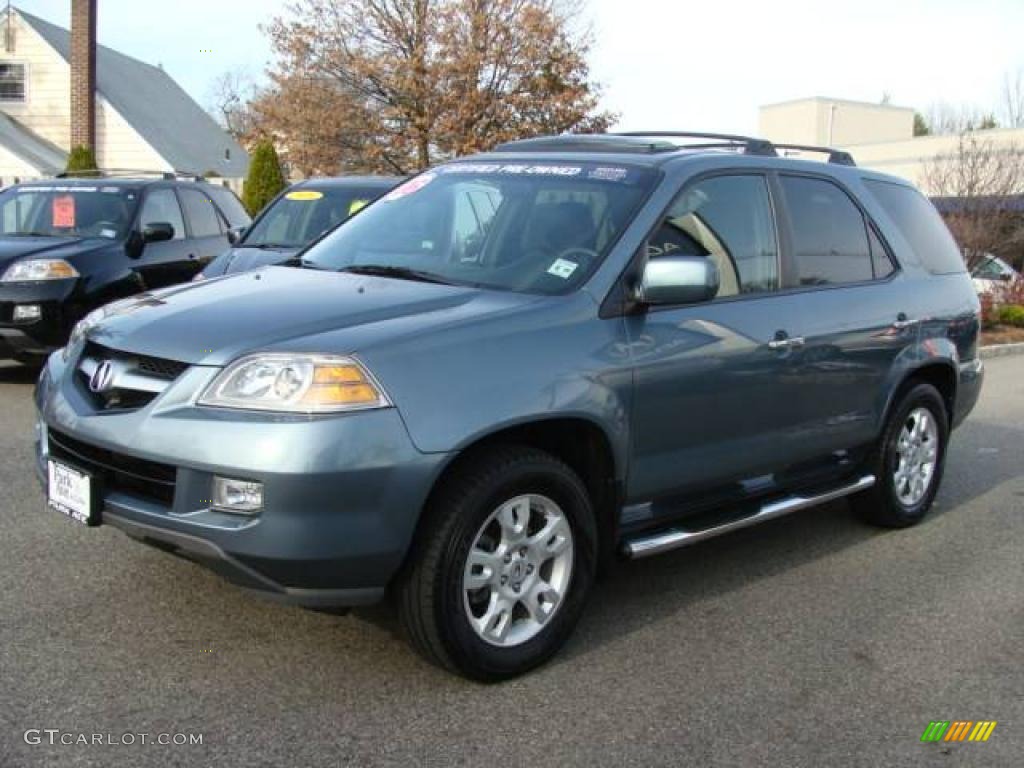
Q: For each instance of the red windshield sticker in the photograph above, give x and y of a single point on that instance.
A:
(64, 212)
(411, 186)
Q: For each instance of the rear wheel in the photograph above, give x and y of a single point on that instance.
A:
(908, 461)
(501, 576)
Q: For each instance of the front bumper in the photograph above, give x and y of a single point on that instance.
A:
(36, 338)
(342, 494)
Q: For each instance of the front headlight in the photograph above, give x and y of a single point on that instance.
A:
(38, 269)
(295, 384)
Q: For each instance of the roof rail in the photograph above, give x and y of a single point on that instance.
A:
(835, 156)
(750, 144)
(585, 142)
(106, 173)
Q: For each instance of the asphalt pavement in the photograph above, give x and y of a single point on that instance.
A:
(811, 641)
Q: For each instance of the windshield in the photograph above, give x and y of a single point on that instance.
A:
(302, 215)
(67, 211)
(535, 228)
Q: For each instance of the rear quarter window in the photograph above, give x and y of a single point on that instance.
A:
(230, 206)
(921, 226)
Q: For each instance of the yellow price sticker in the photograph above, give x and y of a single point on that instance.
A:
(357, 205)
(304, 195)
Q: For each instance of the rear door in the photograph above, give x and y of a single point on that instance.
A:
(207, 233)
(855, 319)
(717, 395)
(160, 264)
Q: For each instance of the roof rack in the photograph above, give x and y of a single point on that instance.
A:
(750, 145)
(585, 142)
(835, 156)
(651, 142)
(108, 173)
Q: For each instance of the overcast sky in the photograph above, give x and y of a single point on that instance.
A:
(665, 63)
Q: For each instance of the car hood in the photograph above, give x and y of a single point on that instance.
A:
(14, 248)
(215, 321)
(242, 259)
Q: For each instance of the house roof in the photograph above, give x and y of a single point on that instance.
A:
(155, 106)
(41, 154)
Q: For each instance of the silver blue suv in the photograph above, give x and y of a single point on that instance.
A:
(516, 367)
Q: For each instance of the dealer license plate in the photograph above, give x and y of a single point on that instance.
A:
(71, 493)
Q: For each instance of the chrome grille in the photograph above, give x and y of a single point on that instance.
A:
(129, 381)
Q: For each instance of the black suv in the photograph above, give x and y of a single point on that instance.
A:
(68, 246)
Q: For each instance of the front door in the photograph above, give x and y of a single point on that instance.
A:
(161, 263)
(716, 384)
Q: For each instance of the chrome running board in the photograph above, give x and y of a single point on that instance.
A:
(673, 538)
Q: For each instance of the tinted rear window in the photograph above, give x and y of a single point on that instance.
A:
(830, 236)
(200, 213)
(921, 226)
(230, 206)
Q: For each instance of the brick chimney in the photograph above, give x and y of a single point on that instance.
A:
(83, 73)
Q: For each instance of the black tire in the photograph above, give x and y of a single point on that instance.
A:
(881, 505)
(430, 591)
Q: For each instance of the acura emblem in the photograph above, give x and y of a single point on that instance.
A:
(102, 378)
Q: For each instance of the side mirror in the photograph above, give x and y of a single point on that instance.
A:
(234, 235)
(157, 231)
(678, 280)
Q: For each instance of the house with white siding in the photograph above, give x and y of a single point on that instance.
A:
(142, 119)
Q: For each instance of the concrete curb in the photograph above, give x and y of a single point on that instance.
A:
(1002, 350)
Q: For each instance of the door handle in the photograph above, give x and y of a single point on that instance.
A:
(789, 342)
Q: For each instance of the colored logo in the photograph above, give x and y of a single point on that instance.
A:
(958, 730)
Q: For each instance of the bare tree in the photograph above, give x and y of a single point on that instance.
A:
(229, 99)
(1013, 99)
(944, 118)
(984, 177)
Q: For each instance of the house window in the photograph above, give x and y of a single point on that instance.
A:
(12, 82)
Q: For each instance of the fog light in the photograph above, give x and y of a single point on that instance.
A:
(27, 312)
(241, 496)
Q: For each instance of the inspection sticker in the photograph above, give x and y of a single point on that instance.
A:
(562, 268)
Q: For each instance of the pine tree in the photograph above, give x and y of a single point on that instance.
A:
(265, 179)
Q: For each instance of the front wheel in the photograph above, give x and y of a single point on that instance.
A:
(504, 567)
(908, 461)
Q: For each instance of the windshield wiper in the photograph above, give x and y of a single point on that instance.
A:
(267, 246)
(399, 273)
(33, 234)
(297, 261)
